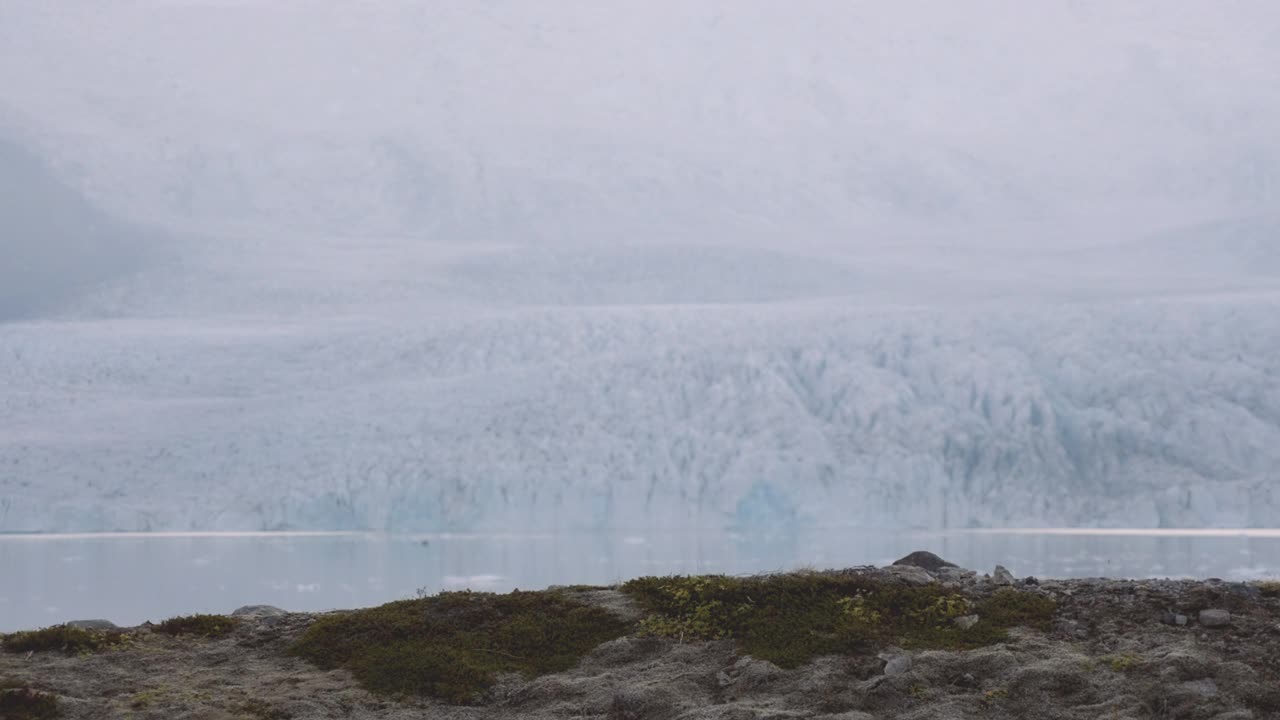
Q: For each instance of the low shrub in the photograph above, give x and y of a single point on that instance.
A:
(28, 704)
(788, 619)
(451, 646)
(209, 626)
(63, 638)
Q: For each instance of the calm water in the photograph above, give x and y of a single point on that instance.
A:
(132, 578)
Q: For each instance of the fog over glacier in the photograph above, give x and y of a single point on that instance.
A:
(429, 265)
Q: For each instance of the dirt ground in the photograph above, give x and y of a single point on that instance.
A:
(1117, 649)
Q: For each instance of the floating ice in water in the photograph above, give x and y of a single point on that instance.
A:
(466, 581)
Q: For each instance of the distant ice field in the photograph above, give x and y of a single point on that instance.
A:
(229, 408)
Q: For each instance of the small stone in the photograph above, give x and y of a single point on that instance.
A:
(897, 665)
(1002, 576)
(1171, 618)
(1215, 618)
(967, 680)
(724, 679)
(93, 625)
(1205, 688)
(924, 559)
(756, 673)
(1066, 626)
(964, 622)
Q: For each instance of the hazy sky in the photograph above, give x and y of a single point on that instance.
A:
(509, 120)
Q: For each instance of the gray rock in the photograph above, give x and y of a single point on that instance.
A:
(897, 665)
(259, 611)
(753, 673)
(910, 574)
(1066, 626)
(1245, 590)
(954, 574)
(925, 560)
(93, 625)
(1205, 688)
(964, 622)
(1170, 618)
(1002, 576)
(1215, 618)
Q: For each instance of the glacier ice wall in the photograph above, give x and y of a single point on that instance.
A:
(1147, 413)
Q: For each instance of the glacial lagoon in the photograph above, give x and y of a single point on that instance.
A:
(129, 578)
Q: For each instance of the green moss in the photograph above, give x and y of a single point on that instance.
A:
(1008, 608)
(28, 704)
(69, 640)
(788, 619)
(450, 646)
(1270, 588)
(144, 698)
(210, 626)
(1122, 663)
(991, 697)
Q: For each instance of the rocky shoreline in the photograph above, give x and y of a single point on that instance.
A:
(1093, 648)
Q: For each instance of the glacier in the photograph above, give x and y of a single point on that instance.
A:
(1147, 413)
(428, 266)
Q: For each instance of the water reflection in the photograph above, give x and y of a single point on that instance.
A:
(136, 577)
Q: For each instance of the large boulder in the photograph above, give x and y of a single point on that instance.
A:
(924, 559)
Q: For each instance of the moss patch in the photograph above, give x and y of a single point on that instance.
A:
(1122, 663)
(1270, 588)
(991, 697)
(28, 704)
(1010, 608)
(789, 619)
(210, 626)
(62, 638)
(451, 646)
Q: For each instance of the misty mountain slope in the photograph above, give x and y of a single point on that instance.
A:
(1145, 414)
(54, 246)
(1245, 246)
(511, 122)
